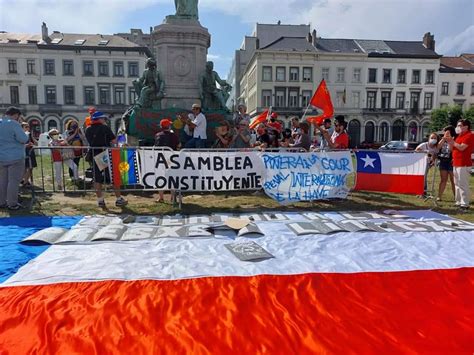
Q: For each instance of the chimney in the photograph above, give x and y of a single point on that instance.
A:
(428, 41)
(309, 38)
(44, 32)
(314, 38)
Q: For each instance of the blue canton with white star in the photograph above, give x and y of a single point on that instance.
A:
(368, 162)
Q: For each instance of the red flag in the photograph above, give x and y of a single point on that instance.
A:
(259, 119)
(322, 100)
(317, 120)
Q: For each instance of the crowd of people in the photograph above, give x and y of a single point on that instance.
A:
(452, 151)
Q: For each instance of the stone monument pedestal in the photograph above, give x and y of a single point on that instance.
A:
(181, 52)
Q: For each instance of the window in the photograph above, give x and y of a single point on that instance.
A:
(372, 75)
(69, 95)
(104, 95)
(430, 77)
(103, 68)
(386, 95)
(266, 98)
(49, 67)
(356, 75)
(280, 97)
(402, 76)
(12, 69)
(52, 124)
(387, 76)
(68, 68)
(133, 69)
(14, 95)
(369, 132)
(325, 74)
(294, 74)
(340, 98)
(89, 95)
(400, 100)
(307, 74)
(50, 94)
(414, 101)
(428, 105)
(88, 68)
(341, 73)
(267, 74)
(32, 95)
(371, 99)
(415, 77)
(280, 74)
(293, 98)
(118, 68)
(30, 66)
(472, 88)
(306, 97)
(132, 96)
(445, 88)
(460, 89)
(383, 137)
(119, 95)
(356, 99)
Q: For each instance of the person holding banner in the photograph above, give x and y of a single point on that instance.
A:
(99, 135)
(197, 121)
(339, 139)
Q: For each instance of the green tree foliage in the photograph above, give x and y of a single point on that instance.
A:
(442, 117)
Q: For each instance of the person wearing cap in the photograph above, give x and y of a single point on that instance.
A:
(100, 136)
(339, 139)
(12, 158)
(166, 138)
(197, 121)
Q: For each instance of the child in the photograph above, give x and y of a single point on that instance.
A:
(57, 157)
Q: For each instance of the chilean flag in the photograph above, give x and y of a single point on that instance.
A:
(391, 172)
(361, 293)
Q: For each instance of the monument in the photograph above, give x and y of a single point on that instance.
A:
(178, 76)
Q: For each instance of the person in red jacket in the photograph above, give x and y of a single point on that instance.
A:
(462, 148)
(339, 139)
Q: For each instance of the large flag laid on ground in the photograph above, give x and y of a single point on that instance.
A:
(391, 172)
(322, 100)
(362, 293)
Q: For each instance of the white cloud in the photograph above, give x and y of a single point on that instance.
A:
(460, 43)
(70, 16)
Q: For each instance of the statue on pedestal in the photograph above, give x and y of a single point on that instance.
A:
(150, 87)
(211, 96)
(187, 9)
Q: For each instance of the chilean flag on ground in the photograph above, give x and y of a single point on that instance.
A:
(391, 172)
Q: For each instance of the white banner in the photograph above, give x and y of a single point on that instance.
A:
(201, 171)
(291, 177)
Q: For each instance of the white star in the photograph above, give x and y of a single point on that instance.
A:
(368, 161)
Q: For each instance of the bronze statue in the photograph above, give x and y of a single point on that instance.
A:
(150, 87)
(211, 96)
(187, 9)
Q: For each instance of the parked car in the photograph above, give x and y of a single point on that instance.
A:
(399, 145)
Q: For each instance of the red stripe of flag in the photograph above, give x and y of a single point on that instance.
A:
(404, 184)
(115, 162)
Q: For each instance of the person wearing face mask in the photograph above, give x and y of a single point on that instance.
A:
(12, 158)
(430, 147)
(339, 139)
(462, 148)
(76, 138)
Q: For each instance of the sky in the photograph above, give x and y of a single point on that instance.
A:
(228, 21)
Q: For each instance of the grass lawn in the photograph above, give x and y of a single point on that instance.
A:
(77, 203)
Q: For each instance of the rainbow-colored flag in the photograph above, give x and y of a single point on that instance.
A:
(123, 166)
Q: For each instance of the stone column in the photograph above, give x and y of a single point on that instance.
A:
(180, 47)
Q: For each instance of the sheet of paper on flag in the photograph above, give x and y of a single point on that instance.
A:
(391, 172)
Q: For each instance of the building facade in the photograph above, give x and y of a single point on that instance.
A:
(56, 77)
(386, 89)
(456, 76)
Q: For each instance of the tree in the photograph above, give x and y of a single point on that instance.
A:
(469, 114)
(439, 119)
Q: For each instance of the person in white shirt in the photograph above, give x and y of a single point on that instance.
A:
(430, 147)
(197, 121)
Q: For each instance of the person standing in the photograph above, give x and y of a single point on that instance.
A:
(339, 139)
(166, 138)
(99, 136)
(30, 159)
(327, 126)
(431, 148)
(445, 159)
(462, 148)
(241, 115)
(12, 158)
(197, 121)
